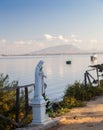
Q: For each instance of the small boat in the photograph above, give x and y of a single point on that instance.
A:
(94, 57)
(68, 62)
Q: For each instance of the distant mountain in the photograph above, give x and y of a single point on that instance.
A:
(60, 50)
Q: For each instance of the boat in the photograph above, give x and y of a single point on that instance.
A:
(94, 57)
(68, 62)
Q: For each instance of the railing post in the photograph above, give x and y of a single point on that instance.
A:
(26, 100)
(85, 79)
(17, 105)
(98, 77)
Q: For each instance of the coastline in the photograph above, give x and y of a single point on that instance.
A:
(50, 54)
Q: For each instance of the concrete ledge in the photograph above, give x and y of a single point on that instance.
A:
(47, 125)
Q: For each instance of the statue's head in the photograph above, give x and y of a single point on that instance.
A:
(40, 63)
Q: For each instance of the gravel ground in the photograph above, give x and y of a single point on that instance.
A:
(89, 117)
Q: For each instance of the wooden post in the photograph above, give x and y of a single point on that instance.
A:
(89, 79)
(26, 100)
(85, 79)
(17, 105)
(98, 77)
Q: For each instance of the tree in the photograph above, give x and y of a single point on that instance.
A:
(7, 101)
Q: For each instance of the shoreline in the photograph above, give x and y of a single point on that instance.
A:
(50, 54)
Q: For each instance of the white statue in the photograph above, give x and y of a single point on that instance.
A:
(39, 81)
(38, 103)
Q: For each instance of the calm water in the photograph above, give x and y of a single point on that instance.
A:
(58, 73)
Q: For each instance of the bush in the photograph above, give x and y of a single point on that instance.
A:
(80, 92)
(74, 96)
(7, 101)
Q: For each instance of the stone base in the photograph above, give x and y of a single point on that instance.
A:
(45, 125)
(39, 112)
(40, 122)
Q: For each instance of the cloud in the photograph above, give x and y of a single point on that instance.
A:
(74, 36)
(49, 37)
(20, 46)
(95, 44)
(24, 42)
(76, 40)
(27, 46)
(94, 41)
(21, 42)
(3, 40)
(70, 39)
(62, 38)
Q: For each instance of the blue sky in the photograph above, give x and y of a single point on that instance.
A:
(31, 25)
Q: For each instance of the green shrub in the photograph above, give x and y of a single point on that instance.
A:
(80, 92)
(74, 96)
(49, 109)
(7, 100)
(7, 103)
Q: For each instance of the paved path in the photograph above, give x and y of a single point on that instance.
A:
(89, 117)
(85, 118)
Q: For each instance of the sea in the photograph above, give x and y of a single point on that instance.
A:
(59, 75)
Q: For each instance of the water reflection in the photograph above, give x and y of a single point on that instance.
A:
(58, 73)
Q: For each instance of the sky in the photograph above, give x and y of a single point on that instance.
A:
(31, 25)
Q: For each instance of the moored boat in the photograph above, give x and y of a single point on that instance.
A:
(94, 57)
(68, 62)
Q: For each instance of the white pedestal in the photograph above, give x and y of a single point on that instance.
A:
(39, 111)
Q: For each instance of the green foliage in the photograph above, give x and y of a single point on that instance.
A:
(4, 82)
(7, 103)
(74, 96)
(65, 105)
(49, 109)
(80, 92)
(60, 112)
(101, 82)
(7, 99)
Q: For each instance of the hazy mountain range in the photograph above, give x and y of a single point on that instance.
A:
(64, 49)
